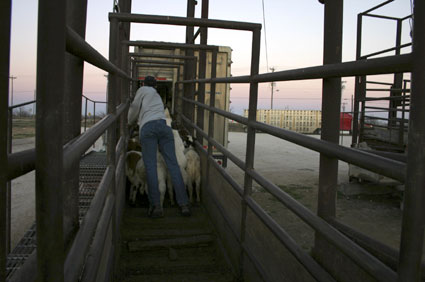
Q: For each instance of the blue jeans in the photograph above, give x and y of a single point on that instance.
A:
(153, 134)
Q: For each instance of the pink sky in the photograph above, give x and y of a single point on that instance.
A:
(294, 32)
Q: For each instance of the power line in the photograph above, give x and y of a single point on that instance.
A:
(265, 37)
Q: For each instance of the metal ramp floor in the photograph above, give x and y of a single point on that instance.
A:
(92, 167)
(172, 248)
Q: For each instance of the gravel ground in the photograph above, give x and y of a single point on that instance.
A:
(296, 170)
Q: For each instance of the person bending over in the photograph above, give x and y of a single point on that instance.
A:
(147, 109)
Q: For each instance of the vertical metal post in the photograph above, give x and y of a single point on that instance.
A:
(5, 23)
(49, 139)
(398, 82)
(202, 70)
(189, 67)
(125, 89)
(331, 103)
(175, 108)
(403, 108)
(9, 183)
(412, 234)
(250, 144)
(113, 88)
(211, 114)
(74, 71)
(358, 81)
(85, 115)
(362, 99)
(94, 112)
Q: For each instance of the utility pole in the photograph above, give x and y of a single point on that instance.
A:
(11, 99)
(342, 119)
(272, 84)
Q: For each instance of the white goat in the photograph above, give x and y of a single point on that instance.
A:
(193, 170)
(181, 160)
(136, 181)
(161, 173)
(168, 117)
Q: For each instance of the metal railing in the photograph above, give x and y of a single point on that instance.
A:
(87, 99)
(330, 151)
(54, 158)
(57, 152)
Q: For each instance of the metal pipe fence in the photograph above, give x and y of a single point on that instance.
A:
(50, 153)
(397, 63)
(53, 158)
(87, 99)
(362, 258)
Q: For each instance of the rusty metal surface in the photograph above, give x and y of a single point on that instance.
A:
(92, 168)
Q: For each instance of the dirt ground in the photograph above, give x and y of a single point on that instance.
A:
(374, 211)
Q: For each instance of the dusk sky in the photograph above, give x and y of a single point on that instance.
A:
(294, 34)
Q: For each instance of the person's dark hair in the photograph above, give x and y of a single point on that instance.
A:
(150, 81)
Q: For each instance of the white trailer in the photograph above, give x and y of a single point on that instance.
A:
(171, 70)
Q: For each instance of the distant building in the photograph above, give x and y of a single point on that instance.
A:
(301, 121)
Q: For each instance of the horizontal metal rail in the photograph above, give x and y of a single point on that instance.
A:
(387, 109)
(221, 148)
(119, 147)
(214, 198)
(171, 66)
(226, 114)
(296, 209)
(94, 257)
(77, 46)
(312, 267)
(23, 162)
(385, 51)
(382, 17)
(119, 170)
(220, 208)
(74, 262)
(380, 83)
(384, 166)
(386, 119)
(166, 45)
(77, 147)
(391, 64)
(385, 98)
(153, 19)
(306, 260)
(231, 156)
(387, 167)
(159, 62)
(384, 89)
(21, 105)
(103, 102)
(366, 261)
(20, 163)
(385, 253)
(384, 65)
(164, 56)
(232, 79)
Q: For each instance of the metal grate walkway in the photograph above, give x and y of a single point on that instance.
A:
(92, 168)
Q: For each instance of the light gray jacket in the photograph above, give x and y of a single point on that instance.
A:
(146, 106)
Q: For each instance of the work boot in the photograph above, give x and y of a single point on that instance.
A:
(185, 210)
(155, 212)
